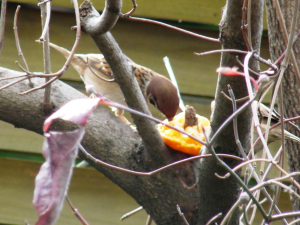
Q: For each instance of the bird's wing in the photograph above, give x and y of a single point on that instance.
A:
(100, 67)
(264, 110)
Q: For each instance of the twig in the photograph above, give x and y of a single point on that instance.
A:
(149, 220)
(97, 161)
(18, 43)
(294, 221)
(184, 184)
(125, 216)
(76, 212)
(238, 100)
(228, 120)
(275, 182)
(214, 218)
(45, 14)
(43, 2)
(2, 22)
(12, 83)
(130, 12)
(235, 128)
(246, 22)
(245, 215)
(220, 51)
(255, 56)
(249, 24)
(68, 61)
(284, 215)
(45, 21)
(174, 28)
(182, 215)
(241, 64)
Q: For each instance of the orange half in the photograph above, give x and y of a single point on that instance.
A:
(179, 141)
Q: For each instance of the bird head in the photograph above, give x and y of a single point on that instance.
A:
(163, 95)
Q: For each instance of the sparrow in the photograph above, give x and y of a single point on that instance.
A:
(274, 134)
(95, 71)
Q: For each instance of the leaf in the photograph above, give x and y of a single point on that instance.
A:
(76, 111)
(60, 150)
(227, 71)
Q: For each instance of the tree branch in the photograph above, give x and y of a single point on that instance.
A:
(109, 139)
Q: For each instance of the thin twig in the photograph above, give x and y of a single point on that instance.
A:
(249, 24)
(246, 24)
(18, 45)
(184, 184)
(2, 22)
(220, 51)
(182, 215)
(130, 12)
(255, 56)
(174, 28)
(76, 212)
(245, 215)
(149, 220)
(125, 216)
(214, 218)
(294, 221)
(45, 21)
(45, 15)
(12, 83)
(43, 2)
(235, 128)
(97, 161)
(68, 61)
(284, 215)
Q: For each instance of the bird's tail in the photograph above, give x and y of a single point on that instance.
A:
(62, 50)
(291, 136)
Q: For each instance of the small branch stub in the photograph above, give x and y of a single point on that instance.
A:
(190, 117)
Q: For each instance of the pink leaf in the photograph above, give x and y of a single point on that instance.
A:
(60, 150)
(227, 71)
(77, 111)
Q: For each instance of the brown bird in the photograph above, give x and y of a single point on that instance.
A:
(94, 70)
(274, 134)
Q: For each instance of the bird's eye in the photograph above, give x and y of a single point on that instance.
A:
(152, 100)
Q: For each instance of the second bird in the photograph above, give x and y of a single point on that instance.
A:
(94, 70)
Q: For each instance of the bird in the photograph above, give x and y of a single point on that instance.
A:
(274, 134)
(95, 71)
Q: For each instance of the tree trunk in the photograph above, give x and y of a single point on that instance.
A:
(290, 85)
(218, 195)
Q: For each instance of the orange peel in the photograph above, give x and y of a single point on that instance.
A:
(179, 141)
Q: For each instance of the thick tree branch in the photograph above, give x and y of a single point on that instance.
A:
(109, 139)
(221, 194)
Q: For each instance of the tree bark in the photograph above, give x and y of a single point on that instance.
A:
(290, 85)
(218, 195)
